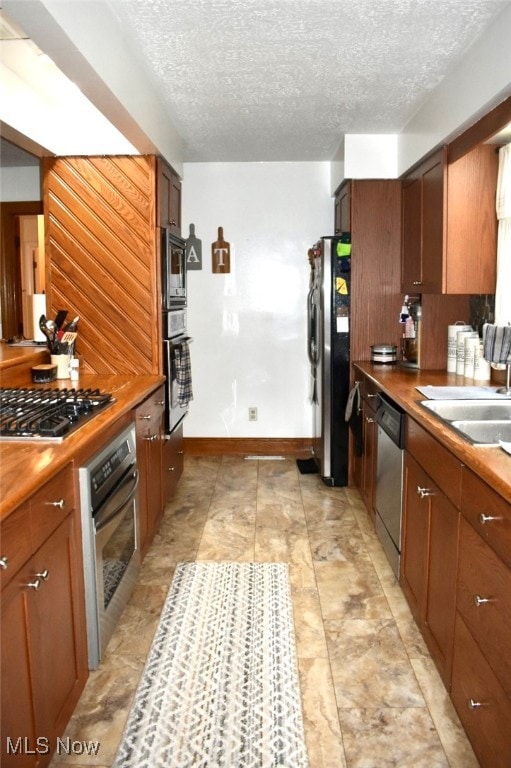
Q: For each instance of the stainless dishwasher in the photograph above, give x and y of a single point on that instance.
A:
(389, 478)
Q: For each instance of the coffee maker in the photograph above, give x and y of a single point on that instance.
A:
(410, 318)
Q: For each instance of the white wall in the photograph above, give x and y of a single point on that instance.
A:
(20, 184)
(249, 327)
(480, 81)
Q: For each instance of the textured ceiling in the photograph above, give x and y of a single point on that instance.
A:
(286, 79)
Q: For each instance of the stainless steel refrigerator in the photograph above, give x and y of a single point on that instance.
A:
(328, 320)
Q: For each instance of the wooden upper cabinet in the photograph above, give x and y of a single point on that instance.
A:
(411, 238)
(471, 232)
(169, 197)
(423, 217)
(449, 235)
(342, 222)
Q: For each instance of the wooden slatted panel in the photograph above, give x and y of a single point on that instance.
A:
(103, 256)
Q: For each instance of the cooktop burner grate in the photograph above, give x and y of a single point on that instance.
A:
(30, 413)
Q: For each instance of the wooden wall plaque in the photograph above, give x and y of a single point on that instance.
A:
(221, 254)
(193, 250)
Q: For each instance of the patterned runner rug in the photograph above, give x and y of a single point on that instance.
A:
(220, 687)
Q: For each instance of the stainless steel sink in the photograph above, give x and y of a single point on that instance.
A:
(469, 410)
(484, 432)
(482, 422)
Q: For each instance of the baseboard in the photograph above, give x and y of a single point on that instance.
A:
(253, 446)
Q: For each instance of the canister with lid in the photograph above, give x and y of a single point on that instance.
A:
(384, 354)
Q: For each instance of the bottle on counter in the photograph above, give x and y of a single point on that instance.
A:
(74, 373)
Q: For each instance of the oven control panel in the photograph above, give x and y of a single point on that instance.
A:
(102, 475)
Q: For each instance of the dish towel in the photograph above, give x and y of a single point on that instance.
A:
(183, 374)
(353, 415)
(497, 344)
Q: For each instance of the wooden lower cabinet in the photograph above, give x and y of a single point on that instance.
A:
(429, 561)
(172, 463)
(369, 436)
(19, 727)
(481, 678)
(149, 436)
(44, 646)
(481, 702)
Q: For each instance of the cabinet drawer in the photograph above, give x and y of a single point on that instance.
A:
(369, 390)
(483, 576)
(481, 703)
(441, 465)
(15, 547)
(488, 512)
(50, 505)
(148, 414)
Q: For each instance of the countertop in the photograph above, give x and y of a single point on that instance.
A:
(491, 464)
(11, 357)
(26, 465)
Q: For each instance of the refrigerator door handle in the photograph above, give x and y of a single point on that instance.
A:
(312, 345)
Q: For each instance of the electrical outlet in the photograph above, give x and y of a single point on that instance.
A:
(252, 414)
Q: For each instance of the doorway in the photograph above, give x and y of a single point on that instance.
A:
(22, 265)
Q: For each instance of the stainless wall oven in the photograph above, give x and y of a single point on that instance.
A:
(175, 337)
(109, 512)
(173, 259)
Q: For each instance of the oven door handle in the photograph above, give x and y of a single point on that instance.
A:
(179, 340)
(125, 500)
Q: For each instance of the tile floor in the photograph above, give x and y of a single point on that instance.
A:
(371, 695)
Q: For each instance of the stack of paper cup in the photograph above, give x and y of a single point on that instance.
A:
(471, 350)
(460, 349)
(452, 331)
(482, 370)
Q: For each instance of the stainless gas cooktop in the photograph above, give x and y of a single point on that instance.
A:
(47, 414)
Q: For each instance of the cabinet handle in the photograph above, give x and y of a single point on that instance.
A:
(474, 704)
(34, 584)
(173, 223)
(43, 575)
(424, 492)
(145, 418)
(417, 282)
(4, 563)
(152, 438)
(478, 600)
(160, 402)
(369, 420)
(372, 395)
(487, 518)
(60, 503)
(180, 453)
(171, 469)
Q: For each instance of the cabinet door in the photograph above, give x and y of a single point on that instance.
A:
(149, 431)
(172, 463)
(343, 210)
(15, 546)
(411, 268)
(414, 554)
(429, 561)
(169, 198)
(432, 255)
(482, 704)
(18, 730)
(369, 457)
(423, 204)
(56, 631)
(440, 606)
(471, 218)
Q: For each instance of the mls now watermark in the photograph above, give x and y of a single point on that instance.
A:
(42, 746)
